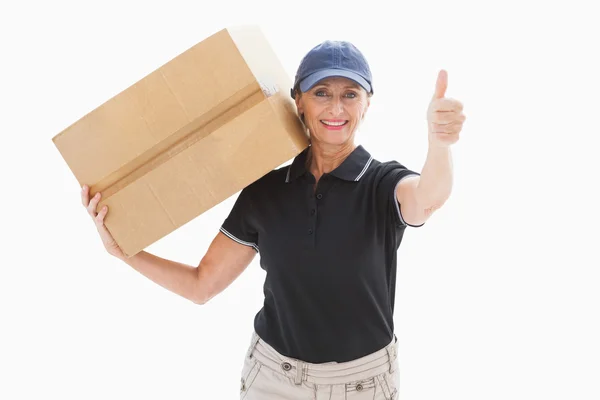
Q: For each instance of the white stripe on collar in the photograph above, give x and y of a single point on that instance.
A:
(287, 177)
(364, 169)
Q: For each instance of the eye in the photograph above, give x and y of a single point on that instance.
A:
(351, 95)
(320, 93)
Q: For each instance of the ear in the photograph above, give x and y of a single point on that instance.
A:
(299, 105)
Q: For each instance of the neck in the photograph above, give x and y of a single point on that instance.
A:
(323, 159)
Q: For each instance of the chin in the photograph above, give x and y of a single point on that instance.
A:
(334, 138)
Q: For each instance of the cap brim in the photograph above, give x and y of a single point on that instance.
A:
(318, 76)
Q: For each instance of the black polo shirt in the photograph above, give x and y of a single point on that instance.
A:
(329, 254)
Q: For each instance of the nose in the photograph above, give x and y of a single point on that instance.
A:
(337, 107)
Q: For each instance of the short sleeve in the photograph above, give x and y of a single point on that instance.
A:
(391, 175)
(239, 224)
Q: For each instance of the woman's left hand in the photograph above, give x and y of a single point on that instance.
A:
(444, 115)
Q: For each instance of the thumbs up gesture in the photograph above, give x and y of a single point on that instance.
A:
(444, 115)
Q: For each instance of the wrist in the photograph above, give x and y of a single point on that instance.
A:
(438, 146)
(120, 256)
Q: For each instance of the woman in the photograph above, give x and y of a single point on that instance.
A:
(327, 227)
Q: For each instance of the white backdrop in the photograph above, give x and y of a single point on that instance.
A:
(497, 296)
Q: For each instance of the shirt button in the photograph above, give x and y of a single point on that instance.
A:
(312, 212)
(310, 231)
(359, 387)
(319, 196)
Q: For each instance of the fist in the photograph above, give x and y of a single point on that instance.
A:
(444, 115)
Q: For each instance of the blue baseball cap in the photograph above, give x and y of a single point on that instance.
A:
(333, 58)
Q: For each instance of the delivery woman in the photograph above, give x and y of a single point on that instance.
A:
(327, 228)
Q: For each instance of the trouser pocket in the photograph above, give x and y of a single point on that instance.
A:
(365, 389)
(389, 384)
(249, 373)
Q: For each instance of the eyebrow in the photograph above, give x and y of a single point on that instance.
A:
(351, 86)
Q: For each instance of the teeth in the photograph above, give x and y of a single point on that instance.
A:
(333, 123)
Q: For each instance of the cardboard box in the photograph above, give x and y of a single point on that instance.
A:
(186, 137)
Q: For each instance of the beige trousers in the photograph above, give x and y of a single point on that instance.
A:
(268, 375)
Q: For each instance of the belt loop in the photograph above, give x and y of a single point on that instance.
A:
(299, 372)
(253, 344)
(391, 356)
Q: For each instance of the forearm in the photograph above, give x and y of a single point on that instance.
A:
(179, 278)
(435, 183)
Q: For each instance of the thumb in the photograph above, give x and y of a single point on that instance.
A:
(441, 85)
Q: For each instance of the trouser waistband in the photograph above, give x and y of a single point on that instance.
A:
(327, 373)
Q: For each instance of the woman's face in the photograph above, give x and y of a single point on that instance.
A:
(333, 109)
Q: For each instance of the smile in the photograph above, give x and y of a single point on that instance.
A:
(334, 124)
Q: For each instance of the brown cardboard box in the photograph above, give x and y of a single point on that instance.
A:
(186, 137)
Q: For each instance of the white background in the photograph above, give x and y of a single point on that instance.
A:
(497, 296)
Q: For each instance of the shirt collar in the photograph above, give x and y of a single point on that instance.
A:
(351, 169)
